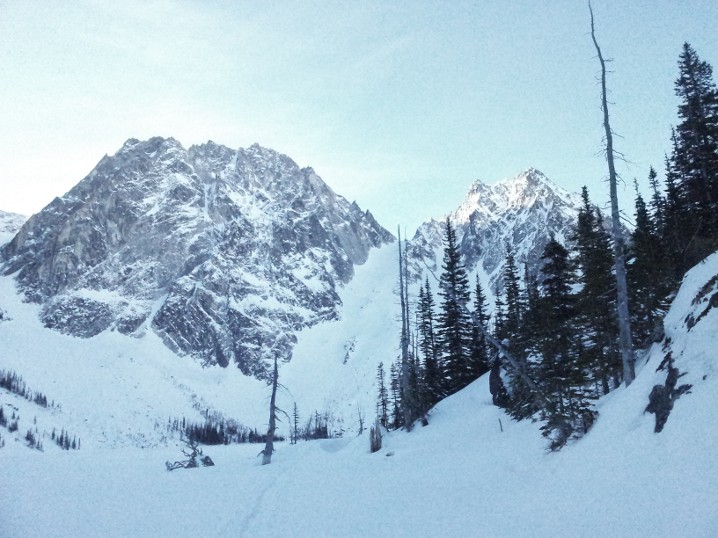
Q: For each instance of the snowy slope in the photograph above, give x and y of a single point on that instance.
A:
(471, 472)
(119, 391)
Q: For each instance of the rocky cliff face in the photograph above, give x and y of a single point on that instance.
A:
(224, 253)
(10, 223)
(520, 213)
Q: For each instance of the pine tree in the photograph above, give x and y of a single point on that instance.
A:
(396, 414)
(382, 404)
(531, 316)
(412, 404)
(295, 424)
(514, 302)
(658, 203)
(596, 298)
(499, 317)
(432, 380)
(479, 362)
(649, 274)
(454, 325)
(695, 154)
(559, 371)
(677, 229)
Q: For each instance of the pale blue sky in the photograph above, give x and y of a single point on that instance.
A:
(397, 105)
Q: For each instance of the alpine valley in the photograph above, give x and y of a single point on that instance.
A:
(160, 289)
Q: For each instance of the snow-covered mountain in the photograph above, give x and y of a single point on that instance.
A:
(521, 213)
(212, 245)
(224, 253)
(10, 223)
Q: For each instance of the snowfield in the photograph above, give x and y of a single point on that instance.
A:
(472, 472)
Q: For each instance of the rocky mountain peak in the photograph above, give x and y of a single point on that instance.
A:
(219, 251)
(519, 213)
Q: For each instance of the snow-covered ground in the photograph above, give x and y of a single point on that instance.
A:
(460, 476)
(471, 472)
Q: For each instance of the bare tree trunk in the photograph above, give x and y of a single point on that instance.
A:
(624, 321)
(404, 319)
(539, 398)
(404, 373)
(269, 447)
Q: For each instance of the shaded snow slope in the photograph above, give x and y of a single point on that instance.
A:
(114, 390)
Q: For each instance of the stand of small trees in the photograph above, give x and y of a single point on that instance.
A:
(14, 383)
(33, 440)
(217, 433)
(64, 441)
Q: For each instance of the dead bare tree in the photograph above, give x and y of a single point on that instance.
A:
(191, 452)
(269, 446)
(624, 321)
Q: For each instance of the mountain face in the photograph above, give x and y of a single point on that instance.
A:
(521, 213)
(223, 253)
(10, 223)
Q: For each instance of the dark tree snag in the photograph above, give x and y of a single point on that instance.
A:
(375, 436)
(662, 397)
(269, 447)
(497, 388)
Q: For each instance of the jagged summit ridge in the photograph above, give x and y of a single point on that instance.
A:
(222, 252)
(524, 191)
(521, 213)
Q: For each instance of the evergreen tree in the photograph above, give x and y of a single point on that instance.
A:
(432, 380)
(382, 405)
(499, 317)
(695, 155)
(454, 325)
(691, 203)
(295, 425)
(514, 302)
(649, 274)
(658, 203)
(676, 229)
(531, 317)
(596, 298)
(411, 391)
(560, 371)
(479, 363)
(396, 414)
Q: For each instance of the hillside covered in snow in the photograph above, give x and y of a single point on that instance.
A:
(471, 472)
(155, 293)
